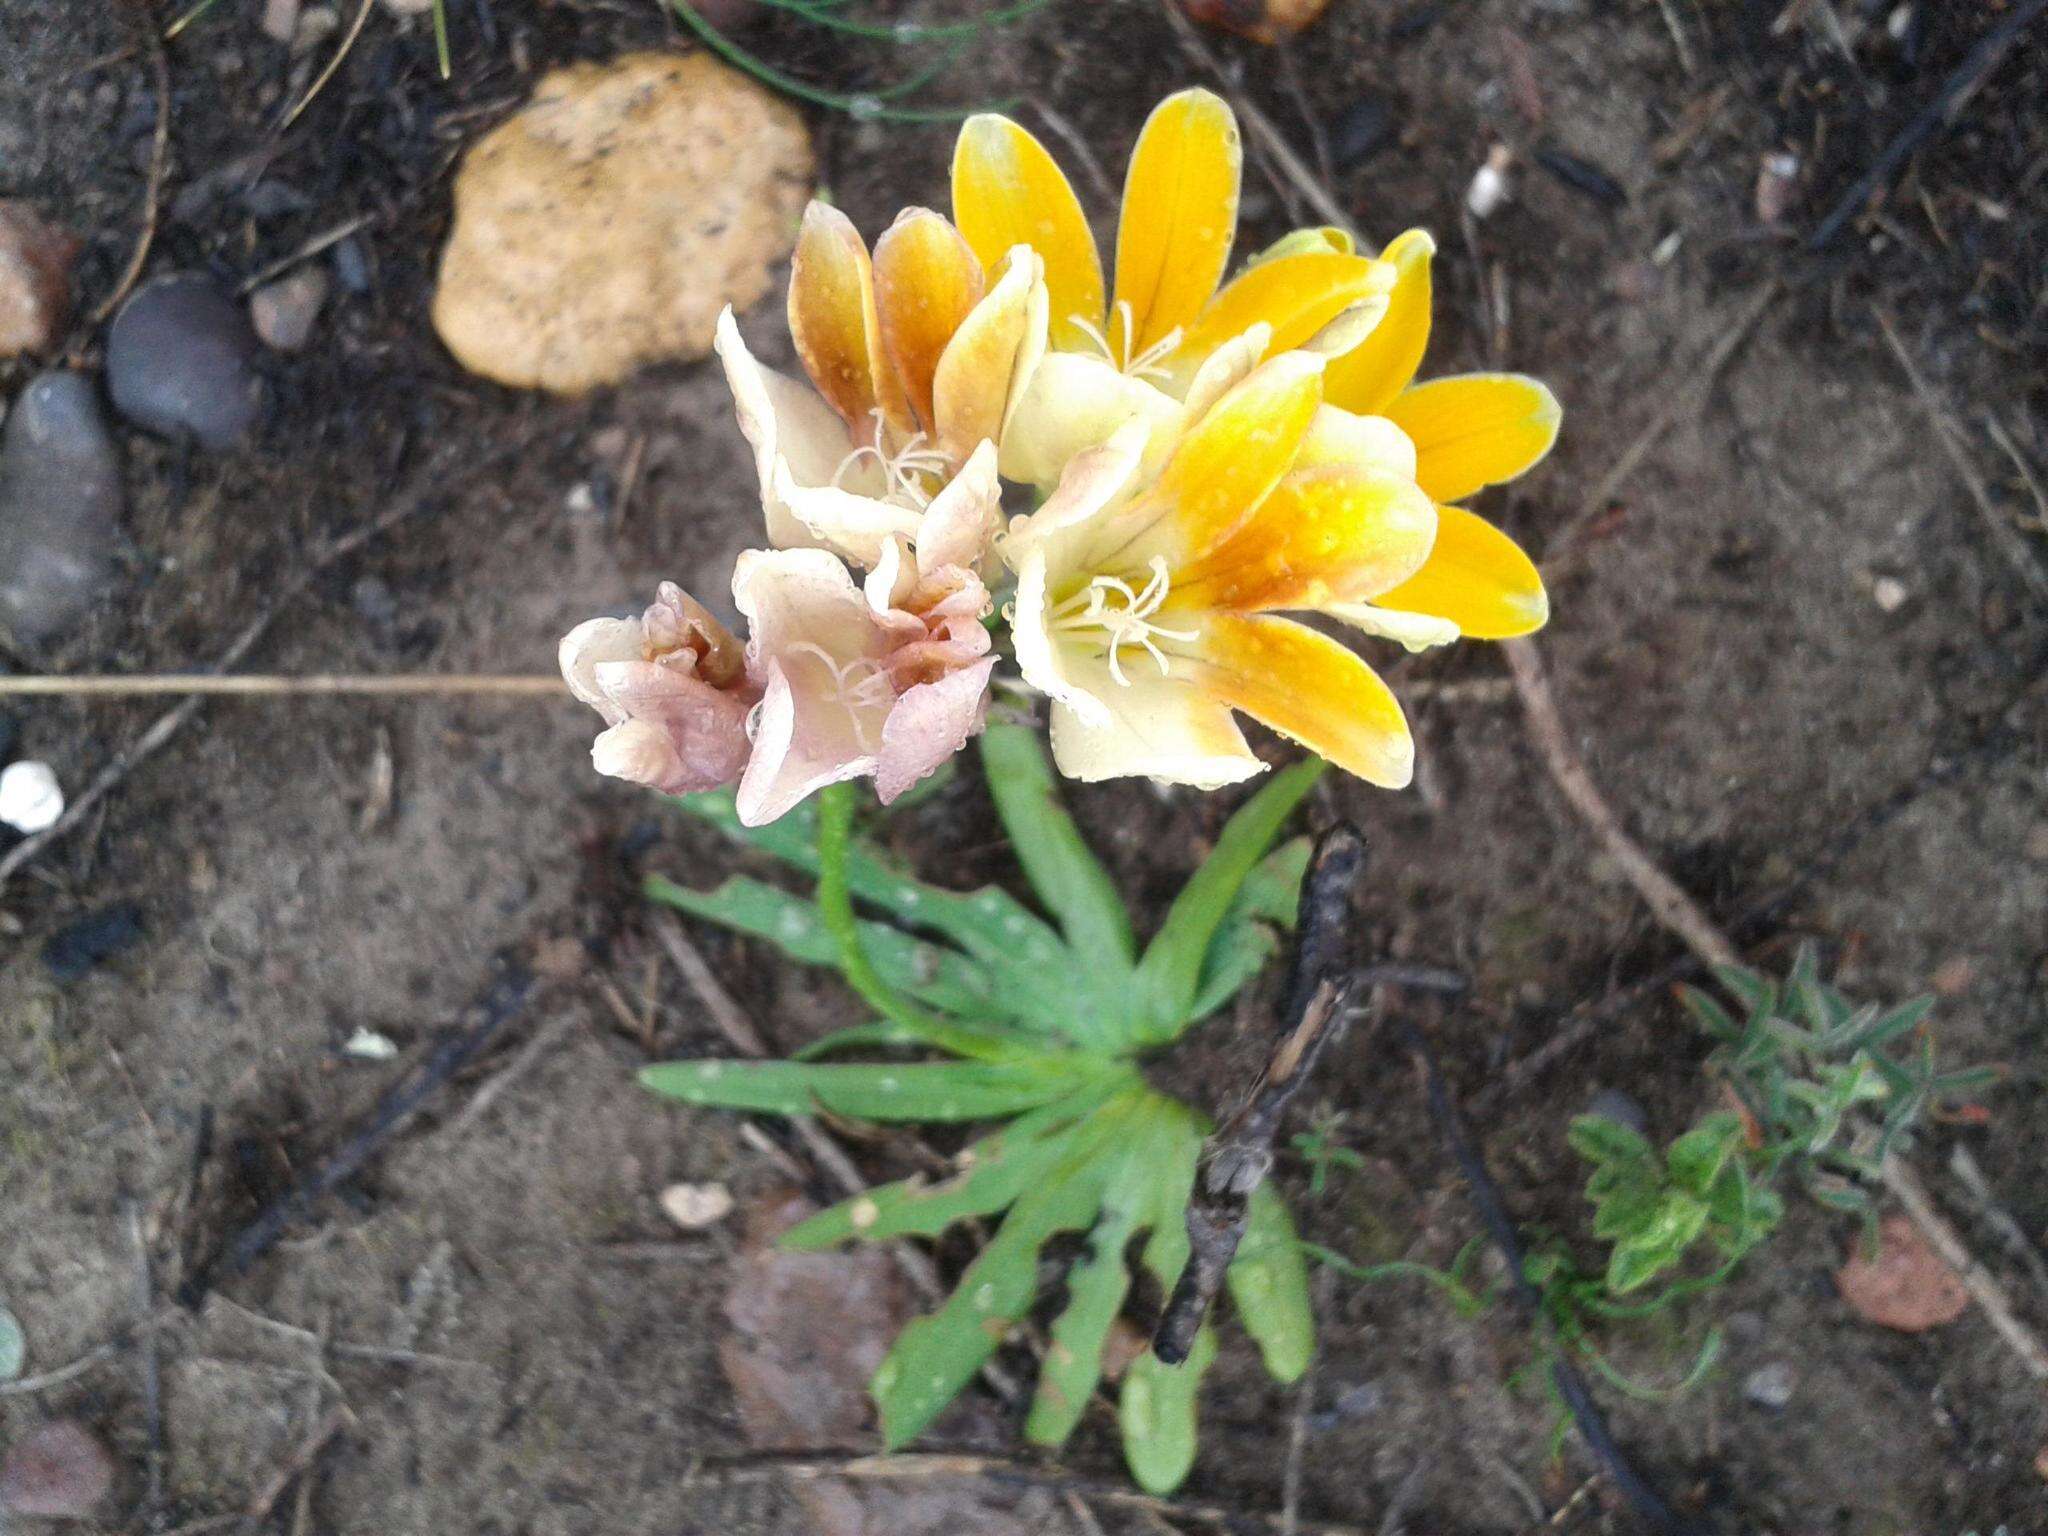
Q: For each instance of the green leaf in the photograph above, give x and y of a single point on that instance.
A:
(1627, 1211)
(1157, 1413)
(1096, 1287)
(1703, 1362)
(1709, 1014)
(1657, 1244)
(1169, 977)
(938, 1354)
(1057, 861)
(1755, 992)
(1891, 1024)
(948, 1090)
(1696, 1158)
(1965, 1082)
(996, 1170)
(1246, 940)
(1017, 948)
(1601, 1140)
(1268, 1283)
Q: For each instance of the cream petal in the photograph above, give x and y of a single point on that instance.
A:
(1414, 631)
(964, 518)
(802, 743)
(930, 723)
(588, 645)
(1073, 403)
(1096, 482)
(1224, 368)
(798, 440)
(703, 728)
(1041, 656)
(851, 526)
(1151, 727)
(1373, 442)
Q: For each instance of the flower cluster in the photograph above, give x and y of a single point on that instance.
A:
(1205, 456)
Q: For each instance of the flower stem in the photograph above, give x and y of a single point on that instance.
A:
(835, 905)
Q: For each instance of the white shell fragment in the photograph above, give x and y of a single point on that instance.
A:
(694, 1207)
(368, 1045)
(31, 799)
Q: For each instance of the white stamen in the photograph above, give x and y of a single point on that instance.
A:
(1148, 364)
(1129, 623)
(860, 684)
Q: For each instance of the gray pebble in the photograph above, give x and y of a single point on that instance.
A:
(352, 265)
(283, 312)
(60, 506)
(1770, 1386)
(1613, 1104)
(1744, 1329)
(181, 361)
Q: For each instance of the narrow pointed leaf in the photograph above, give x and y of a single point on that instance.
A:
(1170, 974)
(1096, 1287)
(1057, 861)
(1247, 938)
(938, 1091)
(1001, 1168)
(937, 1355)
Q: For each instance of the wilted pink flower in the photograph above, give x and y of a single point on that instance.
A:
(673, 688)
(888, 682)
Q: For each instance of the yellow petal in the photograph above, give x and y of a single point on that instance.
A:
(1414, 632)
(926, 282)
(1332, 534)
(1179, 217)
(1324, 237)
(1475, 430)
(1476, 577)
(976, 378)
(1296, 295)
(832, 320)
(1384, 364)
(1075, 402)
(1227, 464)
(1008, 191)
(1306, 686)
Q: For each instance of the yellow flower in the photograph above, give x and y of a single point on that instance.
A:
(1470, 431)
(1163, 316)
(914, 354)
(1146, 605)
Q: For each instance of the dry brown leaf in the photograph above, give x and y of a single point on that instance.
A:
(1907, 1286)
(807, 1331)
(57, 1470)
(1263, 21)
(607, 223)
(35, 280)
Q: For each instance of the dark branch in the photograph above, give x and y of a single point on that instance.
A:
(503, 1001)
(1240, 1154)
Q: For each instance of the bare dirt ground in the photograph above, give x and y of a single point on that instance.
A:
(1719, 651)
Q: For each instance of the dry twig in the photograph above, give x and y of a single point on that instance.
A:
(2004, 537)
(159, 165)
(1688, 396)
(262, 685)
(167, 725)
(949, 1467)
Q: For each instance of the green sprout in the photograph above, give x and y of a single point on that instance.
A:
(1037, 1022)
(1826, 1091)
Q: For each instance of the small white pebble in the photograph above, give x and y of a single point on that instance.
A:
(31, 799)
(368, 1045)
(1890, 593)
(696, 1206)
(1489, 187)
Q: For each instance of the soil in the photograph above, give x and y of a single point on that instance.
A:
(1719, 649)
